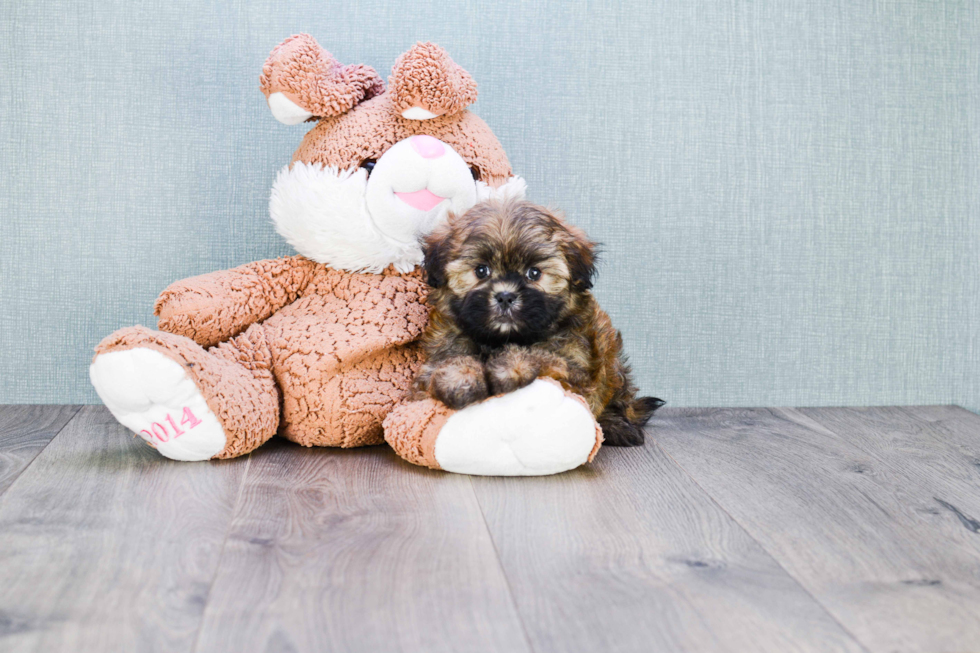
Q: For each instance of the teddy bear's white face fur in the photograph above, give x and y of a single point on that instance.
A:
(352, 220)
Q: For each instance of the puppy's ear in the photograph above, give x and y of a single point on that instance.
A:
(581, 254)
(435, 251)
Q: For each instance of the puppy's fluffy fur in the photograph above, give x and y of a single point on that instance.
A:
(510, 303)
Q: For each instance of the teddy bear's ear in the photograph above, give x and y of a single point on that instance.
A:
(301, 80)
(426, 83)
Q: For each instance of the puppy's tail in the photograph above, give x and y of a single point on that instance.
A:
(644, 408)
(622, 425)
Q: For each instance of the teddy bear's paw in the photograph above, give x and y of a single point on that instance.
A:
(537, 430)
(153, 396)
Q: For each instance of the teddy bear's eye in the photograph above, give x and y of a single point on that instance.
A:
(482, 271)
(475, 173)
(533, 274)
(368, 164)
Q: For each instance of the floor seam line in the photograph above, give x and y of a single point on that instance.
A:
(765, 550)
(500, 565)
(221, 553)
(78, 409)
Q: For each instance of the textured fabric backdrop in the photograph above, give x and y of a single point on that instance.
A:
(788, 192)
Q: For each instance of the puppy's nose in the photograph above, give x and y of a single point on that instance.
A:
(505, 299)
(428, 147)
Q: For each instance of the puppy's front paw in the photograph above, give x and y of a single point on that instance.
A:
(511, 369)
(459, 382)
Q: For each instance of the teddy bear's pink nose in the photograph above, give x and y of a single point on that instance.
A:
(428, 147)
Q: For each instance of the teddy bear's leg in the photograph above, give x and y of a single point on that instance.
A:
(537, 430)
(187, 402)
(348, 407)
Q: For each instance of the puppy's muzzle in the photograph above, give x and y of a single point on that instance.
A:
(505, 300)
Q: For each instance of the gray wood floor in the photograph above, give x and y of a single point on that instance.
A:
(831, 529)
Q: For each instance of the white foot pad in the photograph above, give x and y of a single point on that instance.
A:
(152, 395)
(534, 431)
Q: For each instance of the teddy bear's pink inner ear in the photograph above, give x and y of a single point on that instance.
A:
(301, 80)
(425, 83)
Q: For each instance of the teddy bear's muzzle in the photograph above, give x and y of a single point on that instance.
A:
(414, 184)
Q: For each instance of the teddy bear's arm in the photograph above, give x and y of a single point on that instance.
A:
(214, 307)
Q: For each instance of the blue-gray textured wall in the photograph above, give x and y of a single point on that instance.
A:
(788, 192)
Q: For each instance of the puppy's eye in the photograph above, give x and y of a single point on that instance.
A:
(475, 172)
(533, 274)
(482, 271)
(368, 164)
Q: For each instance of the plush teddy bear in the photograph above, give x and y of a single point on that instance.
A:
(322, 347)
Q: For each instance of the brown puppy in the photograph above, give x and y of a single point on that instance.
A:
(510, 303)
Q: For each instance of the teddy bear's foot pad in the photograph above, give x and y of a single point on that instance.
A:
(153, 396)
(533, 431)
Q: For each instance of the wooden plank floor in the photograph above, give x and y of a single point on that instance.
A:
(833, 529)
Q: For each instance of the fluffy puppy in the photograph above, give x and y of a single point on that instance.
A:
(511, 303)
